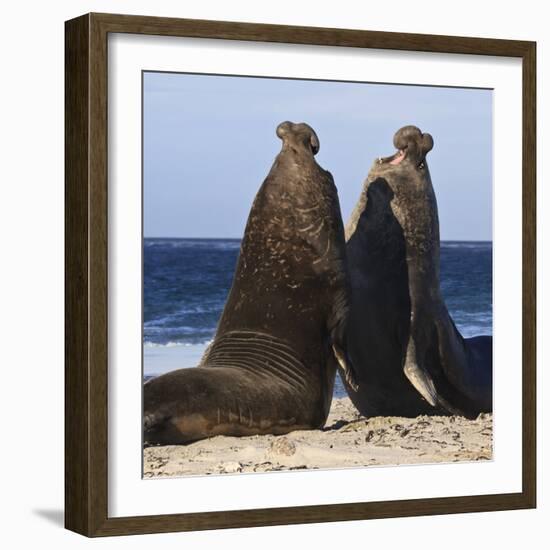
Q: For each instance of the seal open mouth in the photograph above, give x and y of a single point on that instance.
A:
(394, 159)
(398, 157)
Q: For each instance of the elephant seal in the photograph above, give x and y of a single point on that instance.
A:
(272, 363)
(408, 355)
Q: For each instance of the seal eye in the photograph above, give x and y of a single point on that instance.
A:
(421, 165)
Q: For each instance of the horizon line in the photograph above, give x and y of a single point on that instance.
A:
(240, 238)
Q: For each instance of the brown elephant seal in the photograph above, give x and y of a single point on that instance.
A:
(408, 356)
(271, 366)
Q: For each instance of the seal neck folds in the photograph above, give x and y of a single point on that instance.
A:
(259, 354)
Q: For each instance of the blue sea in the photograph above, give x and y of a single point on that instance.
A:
(186, 282)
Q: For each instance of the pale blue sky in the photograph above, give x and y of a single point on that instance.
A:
(209, 142)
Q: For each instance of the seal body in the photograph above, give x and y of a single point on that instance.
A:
(271, 365)
(409, 357)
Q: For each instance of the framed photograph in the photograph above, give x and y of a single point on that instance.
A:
(300, 275)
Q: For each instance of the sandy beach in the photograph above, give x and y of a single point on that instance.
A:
(348, 440)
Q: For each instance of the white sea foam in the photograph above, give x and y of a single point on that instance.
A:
(210, 244)
(185, 310)
(467, 244)
(175, 344)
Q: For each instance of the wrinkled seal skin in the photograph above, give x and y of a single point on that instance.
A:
(409, 357)
(271, 366)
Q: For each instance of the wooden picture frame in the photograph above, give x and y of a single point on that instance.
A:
(86, 230)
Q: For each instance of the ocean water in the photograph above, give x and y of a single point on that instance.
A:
(186, 282)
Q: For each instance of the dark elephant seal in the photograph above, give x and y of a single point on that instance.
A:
(409, 357)
(271, 366)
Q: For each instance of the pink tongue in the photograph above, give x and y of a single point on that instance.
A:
(398, 158)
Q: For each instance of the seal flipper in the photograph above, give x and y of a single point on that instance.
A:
(437, 366)
(418, 376)
(337, 328)
(424, 384)
(347, 366)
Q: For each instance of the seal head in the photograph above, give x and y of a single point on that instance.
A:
(298, 137)
(412, 145)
